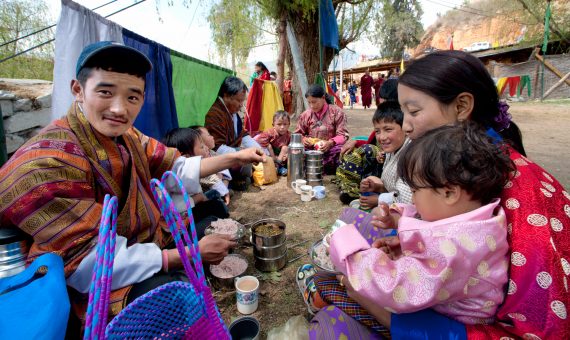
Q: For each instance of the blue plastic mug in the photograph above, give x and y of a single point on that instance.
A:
(320, 192)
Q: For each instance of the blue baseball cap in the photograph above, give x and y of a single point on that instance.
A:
(111, 50)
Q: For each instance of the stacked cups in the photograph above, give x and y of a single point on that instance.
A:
(314, 167)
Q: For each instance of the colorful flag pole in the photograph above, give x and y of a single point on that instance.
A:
(547, 15)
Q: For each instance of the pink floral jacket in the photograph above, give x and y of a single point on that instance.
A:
(457, 266)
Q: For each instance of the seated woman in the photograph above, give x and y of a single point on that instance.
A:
(323, 127)
(361, 159)
(440, 89)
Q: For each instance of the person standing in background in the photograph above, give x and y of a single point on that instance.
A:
(377, 85)
(260, 72)
(366, 83)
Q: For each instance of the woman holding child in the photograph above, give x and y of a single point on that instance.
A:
(442, 89)
(323, 127)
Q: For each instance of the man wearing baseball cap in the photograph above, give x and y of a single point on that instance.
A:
(53, 186)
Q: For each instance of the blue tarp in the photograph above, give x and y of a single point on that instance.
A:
(158, 114)
(328, 25)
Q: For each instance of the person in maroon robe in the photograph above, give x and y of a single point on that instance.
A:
(366, 83)
(377, 85)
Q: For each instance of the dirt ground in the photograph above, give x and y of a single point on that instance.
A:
(545, 127)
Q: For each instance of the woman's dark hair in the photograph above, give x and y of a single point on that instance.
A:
(262, 65)
(281, 115)
(231, 86)
(389, 112)
(444, 75)
(461, 155)
(183, 139)
(315, 91)
(389, 90)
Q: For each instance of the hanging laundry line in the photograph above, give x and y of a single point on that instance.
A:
(516, 85)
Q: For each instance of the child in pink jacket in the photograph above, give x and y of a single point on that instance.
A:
(453, 240)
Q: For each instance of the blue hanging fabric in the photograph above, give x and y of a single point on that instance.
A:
(158, 114)
(328, 24)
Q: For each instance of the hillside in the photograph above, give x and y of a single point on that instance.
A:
(499, 22)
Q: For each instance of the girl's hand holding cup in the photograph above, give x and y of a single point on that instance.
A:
(381, 217)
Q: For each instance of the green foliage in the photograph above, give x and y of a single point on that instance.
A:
(398, 27)
(235, 29)
(19, 18)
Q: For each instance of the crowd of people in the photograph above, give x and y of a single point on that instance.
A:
(481, 249)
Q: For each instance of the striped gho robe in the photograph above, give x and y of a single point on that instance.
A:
(53, 188)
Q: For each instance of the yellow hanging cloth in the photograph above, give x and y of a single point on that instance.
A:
(501, 84)
(271, 103)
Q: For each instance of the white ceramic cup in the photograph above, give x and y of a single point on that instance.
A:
(307, 193)
(296, 185)
(247, 294)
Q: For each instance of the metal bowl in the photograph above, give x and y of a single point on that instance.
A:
(238, 236)
(227, 283)
(270, 264)
(270, 252)
(317, 264)
(268, 241)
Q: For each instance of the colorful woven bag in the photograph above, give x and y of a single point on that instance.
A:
(175, 310)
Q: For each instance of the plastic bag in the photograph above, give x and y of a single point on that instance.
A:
(264, 173)
(296, 328)
(34, 303)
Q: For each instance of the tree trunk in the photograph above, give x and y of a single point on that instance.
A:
(281, 55)
(307, 33)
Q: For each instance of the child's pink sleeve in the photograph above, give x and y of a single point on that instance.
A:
(347, 240)
(413, 282)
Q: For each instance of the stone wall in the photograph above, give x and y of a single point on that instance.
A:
(533, 69)
(26, 108)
